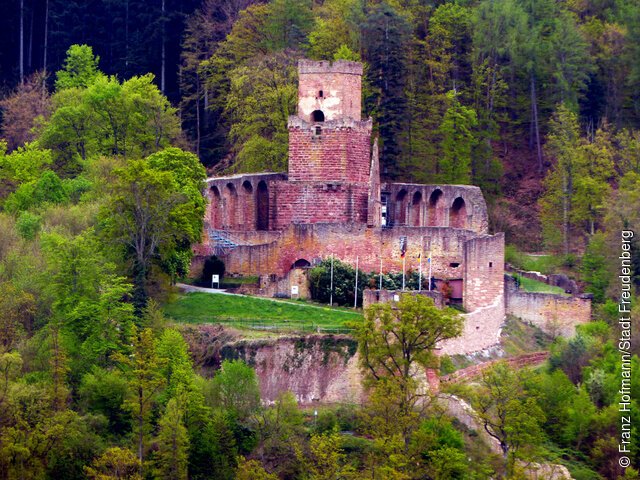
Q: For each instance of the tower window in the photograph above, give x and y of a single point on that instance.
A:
(318, 130)
(320, 94)
(317, 116)
(490, 264)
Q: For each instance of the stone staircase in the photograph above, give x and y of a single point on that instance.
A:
(220, 242)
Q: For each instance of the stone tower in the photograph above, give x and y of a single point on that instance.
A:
(328, 141)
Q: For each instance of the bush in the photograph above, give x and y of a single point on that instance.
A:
(28, 225)
(344, 278)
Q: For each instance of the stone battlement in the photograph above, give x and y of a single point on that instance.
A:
(344, 67)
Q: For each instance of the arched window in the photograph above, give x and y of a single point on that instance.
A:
(317, 116)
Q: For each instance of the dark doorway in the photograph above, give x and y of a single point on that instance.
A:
(317, 116)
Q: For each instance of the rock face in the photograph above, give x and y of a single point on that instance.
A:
(316, 368)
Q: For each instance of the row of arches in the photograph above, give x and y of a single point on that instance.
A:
(246, 208)
(417, 211)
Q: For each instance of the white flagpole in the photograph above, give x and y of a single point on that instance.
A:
(380, 273)
(404, 262)
(355, 300)
(420, 273)
(430, 263)
(331, 288)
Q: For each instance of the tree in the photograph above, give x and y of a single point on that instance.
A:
(556, 204)
(457, 142)
(173, 444)
(115, 464)
(509, 413)
(80, 68)
(154, 212)
(288, 23)
(24, 110)
(387, 33)
(394, 341)
(262, 95)
(143, 369)
(236, 388)
(252, 470)
(337, 27)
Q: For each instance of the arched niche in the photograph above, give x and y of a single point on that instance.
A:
(215, 200)
(458, 214)
(401, 208)
(435, 210)
(415, 212)
(262, 206)
(317, 116)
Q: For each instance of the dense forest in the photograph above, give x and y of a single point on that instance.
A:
(112, 112)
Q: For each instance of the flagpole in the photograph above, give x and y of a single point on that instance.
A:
(404, 262)
(355, 300)
(430, 263)
(331, 288)
(380, 274)
(420, 273)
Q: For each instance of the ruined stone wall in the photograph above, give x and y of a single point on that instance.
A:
(435, 205)
(371, 297)
(483, 271)
(481, 330)
(554, 314)
(348, 241)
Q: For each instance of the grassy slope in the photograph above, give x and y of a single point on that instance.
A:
(251, 311)
(529, 285)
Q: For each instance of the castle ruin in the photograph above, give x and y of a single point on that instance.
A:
(331, 201)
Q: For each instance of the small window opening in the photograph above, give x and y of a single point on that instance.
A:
(321, 94)
(490, 264)
(318, 131)
(454, 264)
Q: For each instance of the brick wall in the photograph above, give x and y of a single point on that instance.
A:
(554, 314)
(483, 271)
(338, 152)
(320, 202)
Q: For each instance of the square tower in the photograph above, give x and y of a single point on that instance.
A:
(328, 141)
(329, 90)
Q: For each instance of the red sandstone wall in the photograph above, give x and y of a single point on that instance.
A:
(317, 202)
(338, 154)
(341, 85)
(483, 271)
(349, 241)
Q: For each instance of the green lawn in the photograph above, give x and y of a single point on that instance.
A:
(529, 285)
(258, 313)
